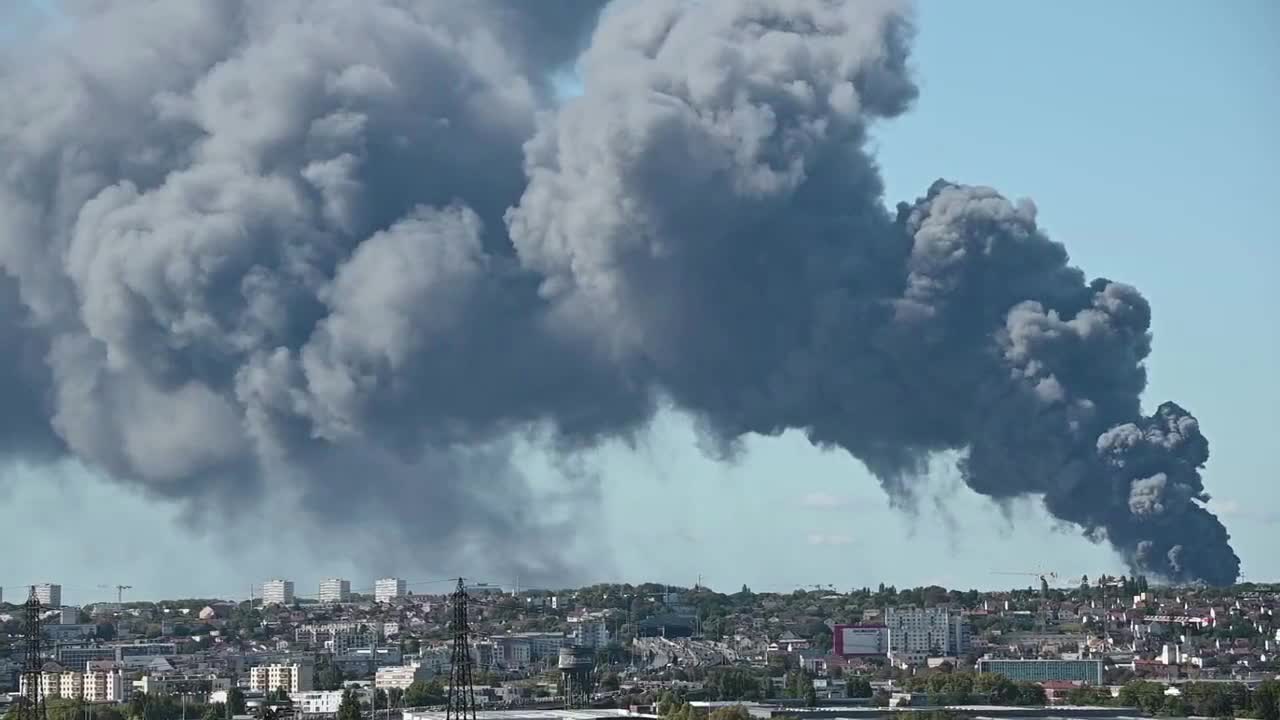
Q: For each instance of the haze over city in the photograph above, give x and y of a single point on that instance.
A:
(632, 299)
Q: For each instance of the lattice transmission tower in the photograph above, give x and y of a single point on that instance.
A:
(462, 694)
(31, 704)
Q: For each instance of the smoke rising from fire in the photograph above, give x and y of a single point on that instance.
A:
(356, 249)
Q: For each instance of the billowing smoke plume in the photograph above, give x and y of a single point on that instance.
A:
(355, 247)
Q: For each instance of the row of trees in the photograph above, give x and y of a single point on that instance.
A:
(949, 688)
(962, 688)
(141, 706)
(1204, 699)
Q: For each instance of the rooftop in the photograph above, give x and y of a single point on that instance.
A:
(533, 715)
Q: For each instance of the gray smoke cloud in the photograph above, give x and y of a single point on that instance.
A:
(357, 250)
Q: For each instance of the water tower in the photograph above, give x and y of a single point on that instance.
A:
(576, 666)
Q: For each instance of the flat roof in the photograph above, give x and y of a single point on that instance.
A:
(534, 714)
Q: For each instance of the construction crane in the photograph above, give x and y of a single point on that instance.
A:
(119, 590)
(1043, 575)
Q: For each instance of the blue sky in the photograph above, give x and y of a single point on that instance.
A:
(1146, 133)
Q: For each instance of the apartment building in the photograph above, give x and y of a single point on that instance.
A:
(436, 659)
(341, 637)
(388, 589)
(105, 682)
(324, 702)
(916, 633)
(289, 677)
(400, 676)
(49, 594)
(189, 684)
(277, 592)
(541, 645)
(335, 590)
(56, 684)
(589, 632)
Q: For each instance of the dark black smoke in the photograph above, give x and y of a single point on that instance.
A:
(355, 250)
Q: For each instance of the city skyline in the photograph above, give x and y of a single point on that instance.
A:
(1140, 184)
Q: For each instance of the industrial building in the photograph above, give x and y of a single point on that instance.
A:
(601, 714)
(1037, 670)
(76, 657)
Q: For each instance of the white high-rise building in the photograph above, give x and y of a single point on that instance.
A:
(105, 682)
(49, 594)
(589, 632)
(291, 677)
(277, 592)
(388, 589)
(312, 703)
(67, 684)
(335, 590)
(926, 632)
(400, 676)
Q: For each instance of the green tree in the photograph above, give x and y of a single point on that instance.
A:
(1030, 693)
(735, 712)
(666, 703)
(421, 693)
(1215, 699)
(1144, 695)
(995, 689)
(1174, 706)
(235, 699)
(609, 682)
(63, 709)
(349, 708)
(858, 687)
(138, 706)
(1265, 700)
(733, 684)
(329, 677)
